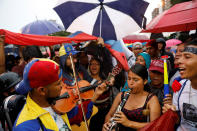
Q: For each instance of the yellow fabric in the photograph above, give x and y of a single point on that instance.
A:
(62, 51)
(82, 126)
(32, 111)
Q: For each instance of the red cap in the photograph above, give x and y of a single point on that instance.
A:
(38, 72)
(157, 65)
(152, 43)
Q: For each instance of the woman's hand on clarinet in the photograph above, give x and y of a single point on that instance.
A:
(106, 126)
(120, 117)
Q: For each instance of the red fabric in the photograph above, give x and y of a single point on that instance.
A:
(166, 122)
(78, 117)
(40, 40)
(176, 86)
(120, 57)
(180, 17)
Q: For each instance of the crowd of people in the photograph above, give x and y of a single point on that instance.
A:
(71, 70)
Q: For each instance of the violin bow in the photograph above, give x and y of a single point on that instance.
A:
(78, 91)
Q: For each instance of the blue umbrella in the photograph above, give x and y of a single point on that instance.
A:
(41, 27)
(109, 19)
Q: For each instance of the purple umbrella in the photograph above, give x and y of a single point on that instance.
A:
(41, 27)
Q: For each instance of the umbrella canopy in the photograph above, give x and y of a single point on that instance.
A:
(180, 17)
(41, 27)
(136, 37)
(172, 42)
(109, 19)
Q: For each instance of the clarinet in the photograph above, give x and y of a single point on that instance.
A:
(113, 124)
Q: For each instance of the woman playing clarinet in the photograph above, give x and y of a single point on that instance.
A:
(140, 107)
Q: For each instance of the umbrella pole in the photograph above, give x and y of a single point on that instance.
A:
(78, 91)
(101, 16)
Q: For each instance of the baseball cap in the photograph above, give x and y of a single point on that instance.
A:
(8, 80)
(67, 49)
(137, 45)
(157, 65)
(38, 72)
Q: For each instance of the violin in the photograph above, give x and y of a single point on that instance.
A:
(69, 96)
(70, 93)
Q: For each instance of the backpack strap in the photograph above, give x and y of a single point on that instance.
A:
(180, 93)
(41, 125)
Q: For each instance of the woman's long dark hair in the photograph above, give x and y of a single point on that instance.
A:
(142, 72)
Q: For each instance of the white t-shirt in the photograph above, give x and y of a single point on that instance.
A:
(62, 126)
(187, 106)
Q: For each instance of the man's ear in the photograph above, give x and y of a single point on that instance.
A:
(145, 82)
(41, 90)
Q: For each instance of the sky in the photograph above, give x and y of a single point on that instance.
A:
(15, 14)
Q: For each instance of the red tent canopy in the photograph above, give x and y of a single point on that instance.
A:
(180, 17)
(40, 40)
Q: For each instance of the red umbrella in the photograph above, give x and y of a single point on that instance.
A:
(180, 17)
(136, 38)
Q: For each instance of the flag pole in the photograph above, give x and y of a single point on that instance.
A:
(166, 85)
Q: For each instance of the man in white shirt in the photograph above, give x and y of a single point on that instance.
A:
(185, 100)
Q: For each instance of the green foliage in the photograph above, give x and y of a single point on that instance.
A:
(173, 2)
(61, 33)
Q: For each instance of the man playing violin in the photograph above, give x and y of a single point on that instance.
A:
(42, 80)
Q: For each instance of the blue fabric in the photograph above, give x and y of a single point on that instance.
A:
(146, 58)
(70, 49)
(66, 77)
(31, 125)
(69, 80)
(69, 11)
(108, 31)
(24, 87)
(133, 8)
(125, 88)
(75, 111)
(115, 45)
